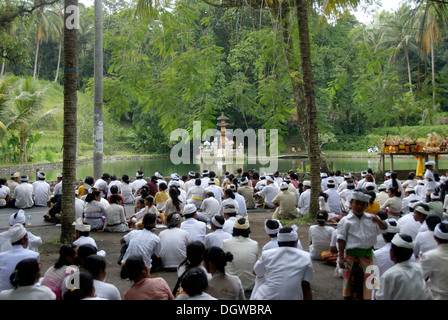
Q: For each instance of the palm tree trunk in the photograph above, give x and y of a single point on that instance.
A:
(61, 39)
(406, 52)
(35, 59)
(70, 127)
(2, 72)
(98, 93)
(433, 77)
(310, 104)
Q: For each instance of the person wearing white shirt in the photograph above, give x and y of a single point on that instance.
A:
(126, 190)
(5, 193)
(138, 183)
(404, 280)
(229, 212)
(269, 192)
(305, 198)
(320, 236)
(113, 182)
(196, 194)
(343, 184)
(229, 199)
(173, 243)
(407, 223)
(209, 207)
(96, 266)
(434, 263)
(424, 241)
(191, 181)
(195, 228)
(217, 191)
(9, 259)
(217, 234)
(346, 195)
(24, 194)
(294, 284)
(241, 203)
(25, 282)
(334, 199)
(410, 182)
(144, 243)
(285, 204)
(430, 183)
(420, 190)
(103, 184)
(41, 190)
(357, 236)
(410, 196)
(34, 242)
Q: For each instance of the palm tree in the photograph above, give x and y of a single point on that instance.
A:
(48, 24)
(23, 110)
(70, 123)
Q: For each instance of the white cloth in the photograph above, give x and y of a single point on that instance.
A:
(304, 202)
(24, 194)
(402, 281)
(408, 225)
(346, 197)
(210, 207)
(142, 243)
(106, 290)
(196, 229)
(424, 241)
(433, 265)
(57, 189)
(32, 292)
(9, 260)
(430, 183)
(173, 246)
(215, 238)
(393, 204)
(283, 270)
(407, 200)
(320, 239)
(228, 225)
(217, 191)
(381, 258)
(41, 193)
(358, 232)
(4, 192)
(94, 214)
(137, 184)
(127, 193)
(245, 254)
(242, 209)
(113, 183)
(231, 202)
(334, 200)
(85, 240)
(33, 242)
(79, 208)
(381, 197)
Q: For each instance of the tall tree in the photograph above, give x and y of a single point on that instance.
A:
(98, 93)
(71, 25)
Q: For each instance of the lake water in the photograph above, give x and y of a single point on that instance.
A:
(166, 167)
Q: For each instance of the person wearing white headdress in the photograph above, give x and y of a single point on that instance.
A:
(357, 236)
(404, 280)
(209, 207)
(8, 260)
(205, 179)
(247, 192)
(269, 192)
(271, 226)
(285, 204)
(410, 195)
(217, 234)
(435, 205)
(41, 190)
(430, 181)
(434, 263)
(33, 241)
(197, 229)
(138, 182)
(424, 241)
(287, 272)
(407, 222)
(381, 256)
(23, 194)
(261, 183)
(381, 195)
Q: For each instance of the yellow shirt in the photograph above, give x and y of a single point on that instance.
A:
(373, 208)
(161, 197)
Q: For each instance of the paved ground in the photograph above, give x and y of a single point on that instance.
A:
(324, 285)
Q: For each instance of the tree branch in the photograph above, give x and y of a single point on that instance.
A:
(9, 13)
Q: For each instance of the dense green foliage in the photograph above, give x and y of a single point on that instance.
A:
(192, 62)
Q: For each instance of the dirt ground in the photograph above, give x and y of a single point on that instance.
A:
(324, 285)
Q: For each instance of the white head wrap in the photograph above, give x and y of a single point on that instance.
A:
(399, 242)
(174, 176)
(18, 217)
(392, 226)
(40, 175)
(272, 231)
(283, 186)
(434, 196)
(420, 209)
(307, 183)
(24, 178)
(189, 209)
(16, 232)
(439, 233)
(361, 196)
(245, 181)
(430, 163)
(288, 237)
(58, 175)
(216, 223)
(269, 178)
